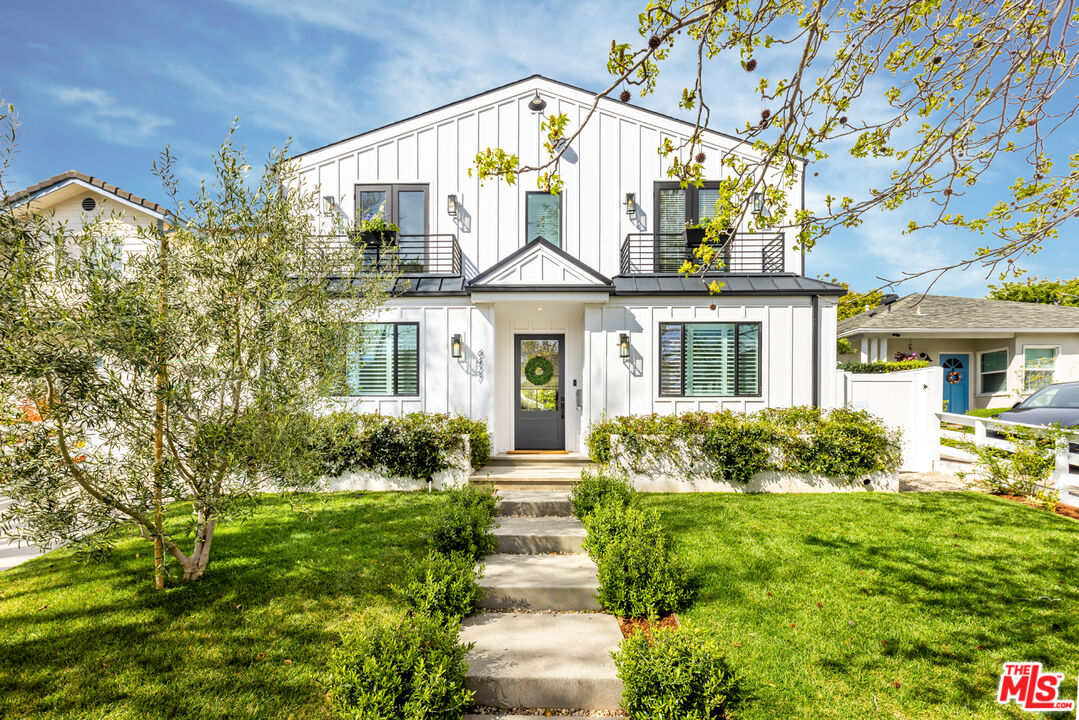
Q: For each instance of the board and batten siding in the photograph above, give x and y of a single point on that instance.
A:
(615, 154)
(446, 384)
(620, 387)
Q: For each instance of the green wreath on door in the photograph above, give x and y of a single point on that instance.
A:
(539, 370)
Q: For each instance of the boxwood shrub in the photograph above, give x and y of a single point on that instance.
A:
(414, 445)
(411, 667)
(443, 586)
(597, 486)
(840, 443)
(676, 675)
(463, 525)
(638, 573)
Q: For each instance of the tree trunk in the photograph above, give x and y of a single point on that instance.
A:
(200, 557)
(161, 381)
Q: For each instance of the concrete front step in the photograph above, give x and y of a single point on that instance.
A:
(539, 582)
(543, 660)
(529, 458)
(529, 485)
(536, 503)
(523, 535)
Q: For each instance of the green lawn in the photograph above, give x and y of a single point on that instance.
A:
(824, 602)
(249, 640)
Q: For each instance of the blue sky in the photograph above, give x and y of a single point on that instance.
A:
(103, 87)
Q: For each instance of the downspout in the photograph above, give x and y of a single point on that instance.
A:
(805, 166)
(816, 351)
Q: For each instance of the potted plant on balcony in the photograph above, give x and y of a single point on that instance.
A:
(695, 234)
(374, 229)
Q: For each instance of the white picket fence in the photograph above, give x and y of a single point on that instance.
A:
(1063, 479)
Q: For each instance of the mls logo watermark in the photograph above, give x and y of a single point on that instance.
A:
(1031, 689)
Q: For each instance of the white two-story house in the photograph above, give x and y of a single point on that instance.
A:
(539, 312)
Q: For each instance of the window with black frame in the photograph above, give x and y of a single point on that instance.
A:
(710, 359)
(676, 208)
(381, 359)
(543, 217)
(406, 207)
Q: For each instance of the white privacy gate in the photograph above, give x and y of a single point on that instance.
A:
(906, 400)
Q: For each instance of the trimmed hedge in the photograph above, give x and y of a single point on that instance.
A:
(676, 675)
(596, 488)
(638, 573)
(409, 668)
(883, 366)
(413, 445)
(464, 524)
(443, 586)
(841, 443)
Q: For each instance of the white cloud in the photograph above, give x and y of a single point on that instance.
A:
(103, 114)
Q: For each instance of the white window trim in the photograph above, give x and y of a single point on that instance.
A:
(978, 368)
(1056, 357)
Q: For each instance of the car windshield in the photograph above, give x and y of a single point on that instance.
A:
(1054, 396)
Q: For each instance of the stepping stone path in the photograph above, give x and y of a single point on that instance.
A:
(540, 641)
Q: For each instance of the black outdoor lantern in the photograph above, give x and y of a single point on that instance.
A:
(537, 104)
(456, 345)
(451, 205)
(623, 346)
(631, 204)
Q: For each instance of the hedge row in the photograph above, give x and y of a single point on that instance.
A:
(841, 443)
(883, 366)
(415, 445)
(677, 673)
(413, 666)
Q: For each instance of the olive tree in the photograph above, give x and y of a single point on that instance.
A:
(183, 372)
(940, 91)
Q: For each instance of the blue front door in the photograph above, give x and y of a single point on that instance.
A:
(956, 368)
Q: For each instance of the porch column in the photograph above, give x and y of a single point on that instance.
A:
(863, 353)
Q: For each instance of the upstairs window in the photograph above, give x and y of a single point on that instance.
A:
(993, 369)
(403, 205)
(381, 359)
(1038, 366)
(543, 217)
(676, 206)
(709, 359)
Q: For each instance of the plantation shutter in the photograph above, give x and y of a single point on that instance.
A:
(706, 203)
(710, 367)
(749, 359)
(370, 360)
(408, 360)
(671, 222)
(670, 359)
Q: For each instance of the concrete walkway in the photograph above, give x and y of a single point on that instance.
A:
(540, 643)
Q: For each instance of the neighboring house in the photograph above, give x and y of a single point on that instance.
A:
(76, 199)
(539, 313)
(993, 352)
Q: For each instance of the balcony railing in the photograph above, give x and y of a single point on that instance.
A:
(429, 254)
(644, 253)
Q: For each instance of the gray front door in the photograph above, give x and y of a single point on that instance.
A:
(539, 413)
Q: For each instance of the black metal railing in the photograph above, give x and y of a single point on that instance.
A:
(427, 254)
(648, 253)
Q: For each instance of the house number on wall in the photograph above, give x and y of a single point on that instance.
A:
(479, 366)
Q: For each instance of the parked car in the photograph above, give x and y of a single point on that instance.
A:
(1057, 403)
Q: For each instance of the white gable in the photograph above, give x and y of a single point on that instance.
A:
(539, 264)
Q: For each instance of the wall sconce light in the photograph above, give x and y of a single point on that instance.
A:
(758, 203)
(623, 346)
(451, 205)
(631, 204)
(328, 204)
(456, 345)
